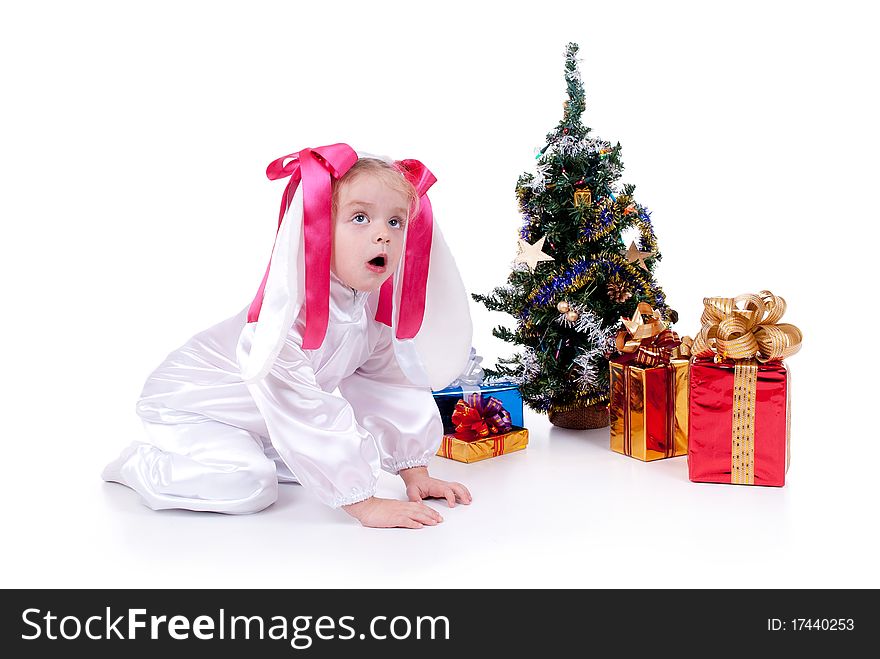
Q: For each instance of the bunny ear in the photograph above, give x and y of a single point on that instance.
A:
(438, 353)
(282, 298)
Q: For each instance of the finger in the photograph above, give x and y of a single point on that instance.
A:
(427, 510)
(429, 520)
(413, 494)
(449, 493)
(461, 492)
(409, 523)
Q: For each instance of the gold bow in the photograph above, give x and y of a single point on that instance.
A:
(684, 350)
(651, 341)
(630, 339)
(746, 327)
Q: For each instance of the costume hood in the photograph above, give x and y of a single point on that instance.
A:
(424, 301)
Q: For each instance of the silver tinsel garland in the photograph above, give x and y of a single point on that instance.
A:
(588, 374)
(530, 367)
(542, 171)
(599, 339)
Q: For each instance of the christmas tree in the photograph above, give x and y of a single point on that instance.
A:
(574, 276)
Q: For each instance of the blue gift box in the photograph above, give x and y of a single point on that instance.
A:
(506, 392)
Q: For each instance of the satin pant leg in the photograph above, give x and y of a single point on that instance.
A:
(205, 466)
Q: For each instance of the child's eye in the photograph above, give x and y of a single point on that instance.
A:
(395, 223)
(360, 218)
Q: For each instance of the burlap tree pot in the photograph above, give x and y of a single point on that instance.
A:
(580, 418)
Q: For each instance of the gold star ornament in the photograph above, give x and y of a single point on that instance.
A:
(531, 254)
(633, 254)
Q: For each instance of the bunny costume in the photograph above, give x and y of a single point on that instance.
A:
(313, 382)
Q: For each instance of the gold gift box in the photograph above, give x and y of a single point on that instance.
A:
(458, 449)
(642, 400)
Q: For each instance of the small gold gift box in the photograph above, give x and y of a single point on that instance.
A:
(649, 410)
(489, 447)
(649, 388)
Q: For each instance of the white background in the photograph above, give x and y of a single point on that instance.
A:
(135, 210)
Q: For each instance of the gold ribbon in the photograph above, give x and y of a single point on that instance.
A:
(630, 339)
(742, 448)
(684, 349)
(746, 327)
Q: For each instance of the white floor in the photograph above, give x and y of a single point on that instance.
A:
(566, 512)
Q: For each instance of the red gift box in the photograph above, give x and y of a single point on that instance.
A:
(720, 447)
(739, 403)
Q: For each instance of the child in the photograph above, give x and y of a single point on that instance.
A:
(361, 295)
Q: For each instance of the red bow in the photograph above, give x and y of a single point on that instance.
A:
(315, 168)
(416, 260)
(476, 417)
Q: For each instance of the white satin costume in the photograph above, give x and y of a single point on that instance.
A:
(242, 406)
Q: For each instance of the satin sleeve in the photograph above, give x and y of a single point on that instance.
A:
(402, 418)
(314, 431)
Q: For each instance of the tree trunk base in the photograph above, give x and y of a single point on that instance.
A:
(581, 418)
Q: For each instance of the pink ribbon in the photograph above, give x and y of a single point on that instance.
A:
(316, 168)
(416, 259)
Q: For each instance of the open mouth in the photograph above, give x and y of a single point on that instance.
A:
(377, 263)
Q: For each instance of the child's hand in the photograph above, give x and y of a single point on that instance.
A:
(388, 513)
(419, 485)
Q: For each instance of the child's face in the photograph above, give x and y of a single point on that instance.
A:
(367, 232)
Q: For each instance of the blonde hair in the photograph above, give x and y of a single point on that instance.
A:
(387, 173)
